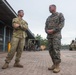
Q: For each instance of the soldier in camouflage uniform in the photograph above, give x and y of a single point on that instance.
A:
(54, 25)
(18, 40)
(73, 45)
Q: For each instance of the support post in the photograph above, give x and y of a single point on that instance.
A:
(4, 39)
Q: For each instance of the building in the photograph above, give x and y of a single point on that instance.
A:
(7, 13)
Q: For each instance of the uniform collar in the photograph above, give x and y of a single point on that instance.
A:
(19, 18)
(55, 13)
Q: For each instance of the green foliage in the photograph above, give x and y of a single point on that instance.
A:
(38, 37)
(64, 47)
(42, 41)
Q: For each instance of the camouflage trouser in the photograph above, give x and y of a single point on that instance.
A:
(54, 49)
(17, 45)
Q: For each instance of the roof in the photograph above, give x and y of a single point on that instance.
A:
(7, 13)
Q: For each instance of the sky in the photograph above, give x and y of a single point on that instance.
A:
(37, 11)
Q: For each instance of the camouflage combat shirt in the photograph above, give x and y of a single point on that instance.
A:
(20, 32)
(55, 22)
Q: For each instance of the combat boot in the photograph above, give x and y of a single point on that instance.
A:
(57, 68)
(52, 67)
(17, 64)
(6, 65)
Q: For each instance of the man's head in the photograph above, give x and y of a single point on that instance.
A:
(21, 13)
(52, 8)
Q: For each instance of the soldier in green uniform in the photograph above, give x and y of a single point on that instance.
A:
(54, 25)
(18, 40)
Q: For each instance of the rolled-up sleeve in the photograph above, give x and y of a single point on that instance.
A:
(15, 21)
(24, 26)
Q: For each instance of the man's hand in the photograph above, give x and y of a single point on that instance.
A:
(16, 25)
(50, 31)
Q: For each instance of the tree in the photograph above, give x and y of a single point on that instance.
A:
(42, 41)
(38, 37)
